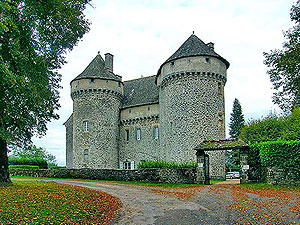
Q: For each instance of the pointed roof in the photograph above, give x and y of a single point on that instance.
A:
(96, 69)
(194, 46)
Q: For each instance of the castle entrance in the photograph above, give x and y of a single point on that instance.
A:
(220, 145)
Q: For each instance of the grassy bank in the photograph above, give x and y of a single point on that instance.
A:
(32, 202)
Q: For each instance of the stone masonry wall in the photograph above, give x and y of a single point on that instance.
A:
(191, 110)
(69, 142)
(187, 175)
(102, 111)
(147, 148)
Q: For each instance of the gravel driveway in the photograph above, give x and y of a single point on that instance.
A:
(214, 204)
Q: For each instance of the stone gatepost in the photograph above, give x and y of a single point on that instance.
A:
(200, 173)
(244, 165)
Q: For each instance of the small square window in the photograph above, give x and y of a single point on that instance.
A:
(207, 60)
(92, 80)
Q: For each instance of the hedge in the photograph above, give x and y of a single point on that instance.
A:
(280, 153)
(28, 161)
(23, 167)
(165, 164)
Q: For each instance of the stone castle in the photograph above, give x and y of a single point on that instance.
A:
(118, 124)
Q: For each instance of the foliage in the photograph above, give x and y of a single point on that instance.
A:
(257, 171)
(23, 167)
(233, 160)
(34, 35)
(284, 65)
(237, 120)
(28, 161)
(273, 127)
(32, 152)
(56, 167)
(165, 164)
(283, 154)
(51, 203)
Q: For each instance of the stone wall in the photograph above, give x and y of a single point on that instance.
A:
(192, 108)
(186, 175)
(278, 176)
(147, 147)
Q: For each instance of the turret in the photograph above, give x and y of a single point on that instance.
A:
(191, 97)
(97, 94)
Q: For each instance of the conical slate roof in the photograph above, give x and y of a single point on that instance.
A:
(194, 46)
(96, 69)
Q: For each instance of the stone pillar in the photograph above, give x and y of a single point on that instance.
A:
(244, 166)
(200, 176)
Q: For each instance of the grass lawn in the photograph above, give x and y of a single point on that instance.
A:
(144, 183)
(36, 202)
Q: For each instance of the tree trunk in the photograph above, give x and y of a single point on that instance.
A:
(4, 175)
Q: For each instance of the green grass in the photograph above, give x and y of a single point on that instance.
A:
(144, 183)
(216, 181)
(268, 186)
(35, 202)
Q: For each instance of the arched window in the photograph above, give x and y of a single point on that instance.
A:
(86, 154)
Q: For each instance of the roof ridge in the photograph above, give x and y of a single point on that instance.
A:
(139, 78)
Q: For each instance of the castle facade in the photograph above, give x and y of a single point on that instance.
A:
(118, 124)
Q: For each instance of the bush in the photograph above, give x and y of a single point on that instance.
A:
(280, 154)
(56, 167)
(23, 167)
(28, 161)
(165, 164)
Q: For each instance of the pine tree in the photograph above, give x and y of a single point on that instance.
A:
(237, 120)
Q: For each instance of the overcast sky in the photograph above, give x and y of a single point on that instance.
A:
(143, 34)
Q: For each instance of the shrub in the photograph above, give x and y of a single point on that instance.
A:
(23, 167)
(165, 164)
(28, 161)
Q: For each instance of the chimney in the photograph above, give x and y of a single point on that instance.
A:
(109, 58)
(211, 45)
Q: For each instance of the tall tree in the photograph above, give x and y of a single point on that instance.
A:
(34, 36)
(237, 120)
(284, 66)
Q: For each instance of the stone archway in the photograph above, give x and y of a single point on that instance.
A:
(218, 145)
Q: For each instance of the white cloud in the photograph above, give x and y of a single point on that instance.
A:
(143, 34)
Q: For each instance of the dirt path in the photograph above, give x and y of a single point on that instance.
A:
(215, 204)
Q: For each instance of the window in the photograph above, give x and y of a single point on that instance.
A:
(119, 84)
(148, 108)
(126, 135)
(138, 134)
(207, 60)
(92, 80)
(86, 126)
(128, 165)
(129, 110)
(156, 133)
(219, 89)
(86, 154)
(172, 63)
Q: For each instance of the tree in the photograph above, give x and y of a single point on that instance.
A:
(236, 124)
(273, 127)
(237, 120)
(33, 152)
(34, 36)
(284, 66)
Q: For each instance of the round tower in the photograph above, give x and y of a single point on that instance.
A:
(97, 94)
(191, 98)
